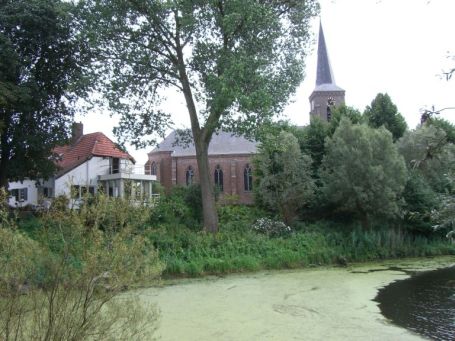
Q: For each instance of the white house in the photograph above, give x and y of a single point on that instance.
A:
(90, 163)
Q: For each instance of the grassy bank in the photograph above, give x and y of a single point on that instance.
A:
(186, 251)
(189, 253)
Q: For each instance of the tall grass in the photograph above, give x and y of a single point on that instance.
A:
(187, 253)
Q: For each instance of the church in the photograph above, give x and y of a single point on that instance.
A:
(230, 156)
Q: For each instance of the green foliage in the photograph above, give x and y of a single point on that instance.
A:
(426, 150)
(341, 111)
(235, 62)
(313, 142)
(41, 61)
(183, 206)
(363, 174)
(445, 125)
(284, 175)
(382, 112)
(239, 217)
(163, 44)
(242, 249)
(420, 202)
(444, 218)
(65, 283)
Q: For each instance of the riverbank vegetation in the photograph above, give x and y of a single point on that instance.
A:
(328, 193)
(169, 238)
(358, 188)
(63, 273)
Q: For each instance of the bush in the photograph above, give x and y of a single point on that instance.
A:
(271, 227)
(66, 283)
(182, 207)
(238, 217)
(420, 201)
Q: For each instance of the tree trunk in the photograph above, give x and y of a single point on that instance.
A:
(3, 177)
(4, 155)
(201, 139)
(210, 216)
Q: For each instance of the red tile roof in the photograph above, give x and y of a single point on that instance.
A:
(89, 145)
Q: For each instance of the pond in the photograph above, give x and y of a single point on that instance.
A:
(307, 304)
(424, 303)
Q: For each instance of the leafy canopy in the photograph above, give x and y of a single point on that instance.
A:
(427, 151)
(40, 61)
(362, 172)
(284, 175)
(235, 61)
(382, 112)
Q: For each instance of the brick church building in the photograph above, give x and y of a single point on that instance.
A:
(230, 162)
(230, 156)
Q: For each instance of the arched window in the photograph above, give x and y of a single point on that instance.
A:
(248, 178)
(219, 178)
(153, 168)
(189, 176)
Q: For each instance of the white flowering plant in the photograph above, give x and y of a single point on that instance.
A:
(272, 228)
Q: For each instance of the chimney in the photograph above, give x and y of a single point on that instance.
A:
(76, 132)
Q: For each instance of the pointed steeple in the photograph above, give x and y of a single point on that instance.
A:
(324, 71)
(326, 94)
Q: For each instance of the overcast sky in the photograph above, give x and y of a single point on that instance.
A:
(400, 47)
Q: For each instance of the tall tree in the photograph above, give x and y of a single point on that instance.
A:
(284, 175)
(341, 111)
(313, 141)
(40, 58)
(445, 125)
(382, 112)
(362, 172)
(235, 61)
(427, 150)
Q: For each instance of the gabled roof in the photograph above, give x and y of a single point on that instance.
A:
(89, 145)
(222, 143)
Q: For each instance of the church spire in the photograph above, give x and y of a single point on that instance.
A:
(326, 94)
(324, 71)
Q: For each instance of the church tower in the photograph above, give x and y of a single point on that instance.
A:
(326, 94)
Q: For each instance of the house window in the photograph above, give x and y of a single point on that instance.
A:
(153, 169)
(115, 165)
(189, 176)
(23, 194)
(47, 192)
(248, 178)
(219, 178)
(19, 194)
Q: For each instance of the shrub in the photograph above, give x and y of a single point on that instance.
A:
(183, 206)
(271, 227)
(66, 283)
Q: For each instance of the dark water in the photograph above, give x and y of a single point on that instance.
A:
(424, 303)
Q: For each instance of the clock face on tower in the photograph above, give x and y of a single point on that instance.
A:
(330, 101)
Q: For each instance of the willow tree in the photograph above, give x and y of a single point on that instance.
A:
(236, 62)
(362, 172)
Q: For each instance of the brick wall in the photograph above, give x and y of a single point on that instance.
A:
(172, 171)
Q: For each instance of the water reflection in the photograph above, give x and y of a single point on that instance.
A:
(424, 303)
